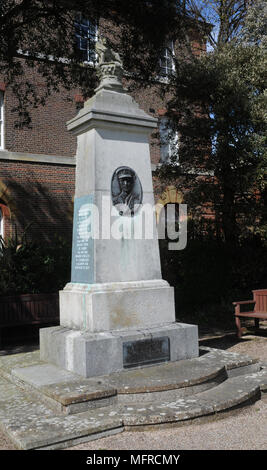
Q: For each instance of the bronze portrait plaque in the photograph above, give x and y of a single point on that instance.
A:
(126, 191)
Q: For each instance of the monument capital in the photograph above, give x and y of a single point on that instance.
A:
(110, 68)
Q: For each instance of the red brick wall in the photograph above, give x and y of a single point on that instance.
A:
(47, 133)
(153, 105)
(40, 194)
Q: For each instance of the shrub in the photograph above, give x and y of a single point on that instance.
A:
(208, 275)
(28, 267)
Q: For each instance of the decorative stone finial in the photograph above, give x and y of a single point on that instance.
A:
(110, 69)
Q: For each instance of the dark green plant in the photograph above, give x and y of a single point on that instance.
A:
(30, 267)
(209, 274)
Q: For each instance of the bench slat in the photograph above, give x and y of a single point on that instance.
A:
(244, 302)
(260, 315)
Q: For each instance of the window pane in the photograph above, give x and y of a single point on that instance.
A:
(1, 223)
(166, 60)
(168, 140)
(1, 119)
(86, 35)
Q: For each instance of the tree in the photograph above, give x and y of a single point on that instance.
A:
(39, 35)
(218, 107)
(227, 17)
(255, 24)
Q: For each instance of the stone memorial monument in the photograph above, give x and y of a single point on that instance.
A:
(116, 312)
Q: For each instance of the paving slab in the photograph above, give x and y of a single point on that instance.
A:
(181, 374)
(11, 361)
(68, 392)
(61, 384)
(230, 360)
(31, 424)
(228, 395)
(75, 392)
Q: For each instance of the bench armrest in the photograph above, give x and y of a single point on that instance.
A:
(242, 302)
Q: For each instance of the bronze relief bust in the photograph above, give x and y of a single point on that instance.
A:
(126, 191)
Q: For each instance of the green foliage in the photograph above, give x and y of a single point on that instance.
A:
(255, 25)
(28, 267)
(208, 275)
(221, 98)
(218, 107)
(40, 35)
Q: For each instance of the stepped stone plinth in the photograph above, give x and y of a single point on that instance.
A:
(46, 407)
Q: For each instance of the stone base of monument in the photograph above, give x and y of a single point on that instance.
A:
(116, 305)
(46, 407)
(93, 354)
(105, 328)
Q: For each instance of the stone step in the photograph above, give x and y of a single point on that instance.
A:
(33, 425)
(44, 407)
(230, 394)
(70, 393)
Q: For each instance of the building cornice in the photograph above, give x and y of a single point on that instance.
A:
(37, 158)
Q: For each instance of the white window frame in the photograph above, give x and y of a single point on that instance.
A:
(78, 21)
(169, 141)
(2, 143)
(167, 54)
(1, 223)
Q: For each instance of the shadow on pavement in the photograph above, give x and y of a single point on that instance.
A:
(228, 340)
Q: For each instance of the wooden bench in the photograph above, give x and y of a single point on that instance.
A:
(28, 309)
(259, 311)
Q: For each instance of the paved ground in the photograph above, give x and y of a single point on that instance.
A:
(242, 430)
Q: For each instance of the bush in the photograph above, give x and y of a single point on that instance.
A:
(208, 275)
(28, 267)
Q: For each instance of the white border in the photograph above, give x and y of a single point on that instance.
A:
(1, 223)
(2, 135)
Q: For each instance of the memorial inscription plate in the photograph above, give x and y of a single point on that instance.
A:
(146, 351)
(82, 242)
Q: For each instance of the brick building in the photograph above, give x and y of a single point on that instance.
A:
(37, 164)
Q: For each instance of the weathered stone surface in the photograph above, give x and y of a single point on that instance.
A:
(79, 391)
(43, 374)
(230, 359)
(64, 387)
(181, 374)
(31, 423)
(157, 413)
(116, 306)
(97, 354)
(9, 362)
(112, 132)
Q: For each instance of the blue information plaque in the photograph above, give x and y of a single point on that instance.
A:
(82, 261)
